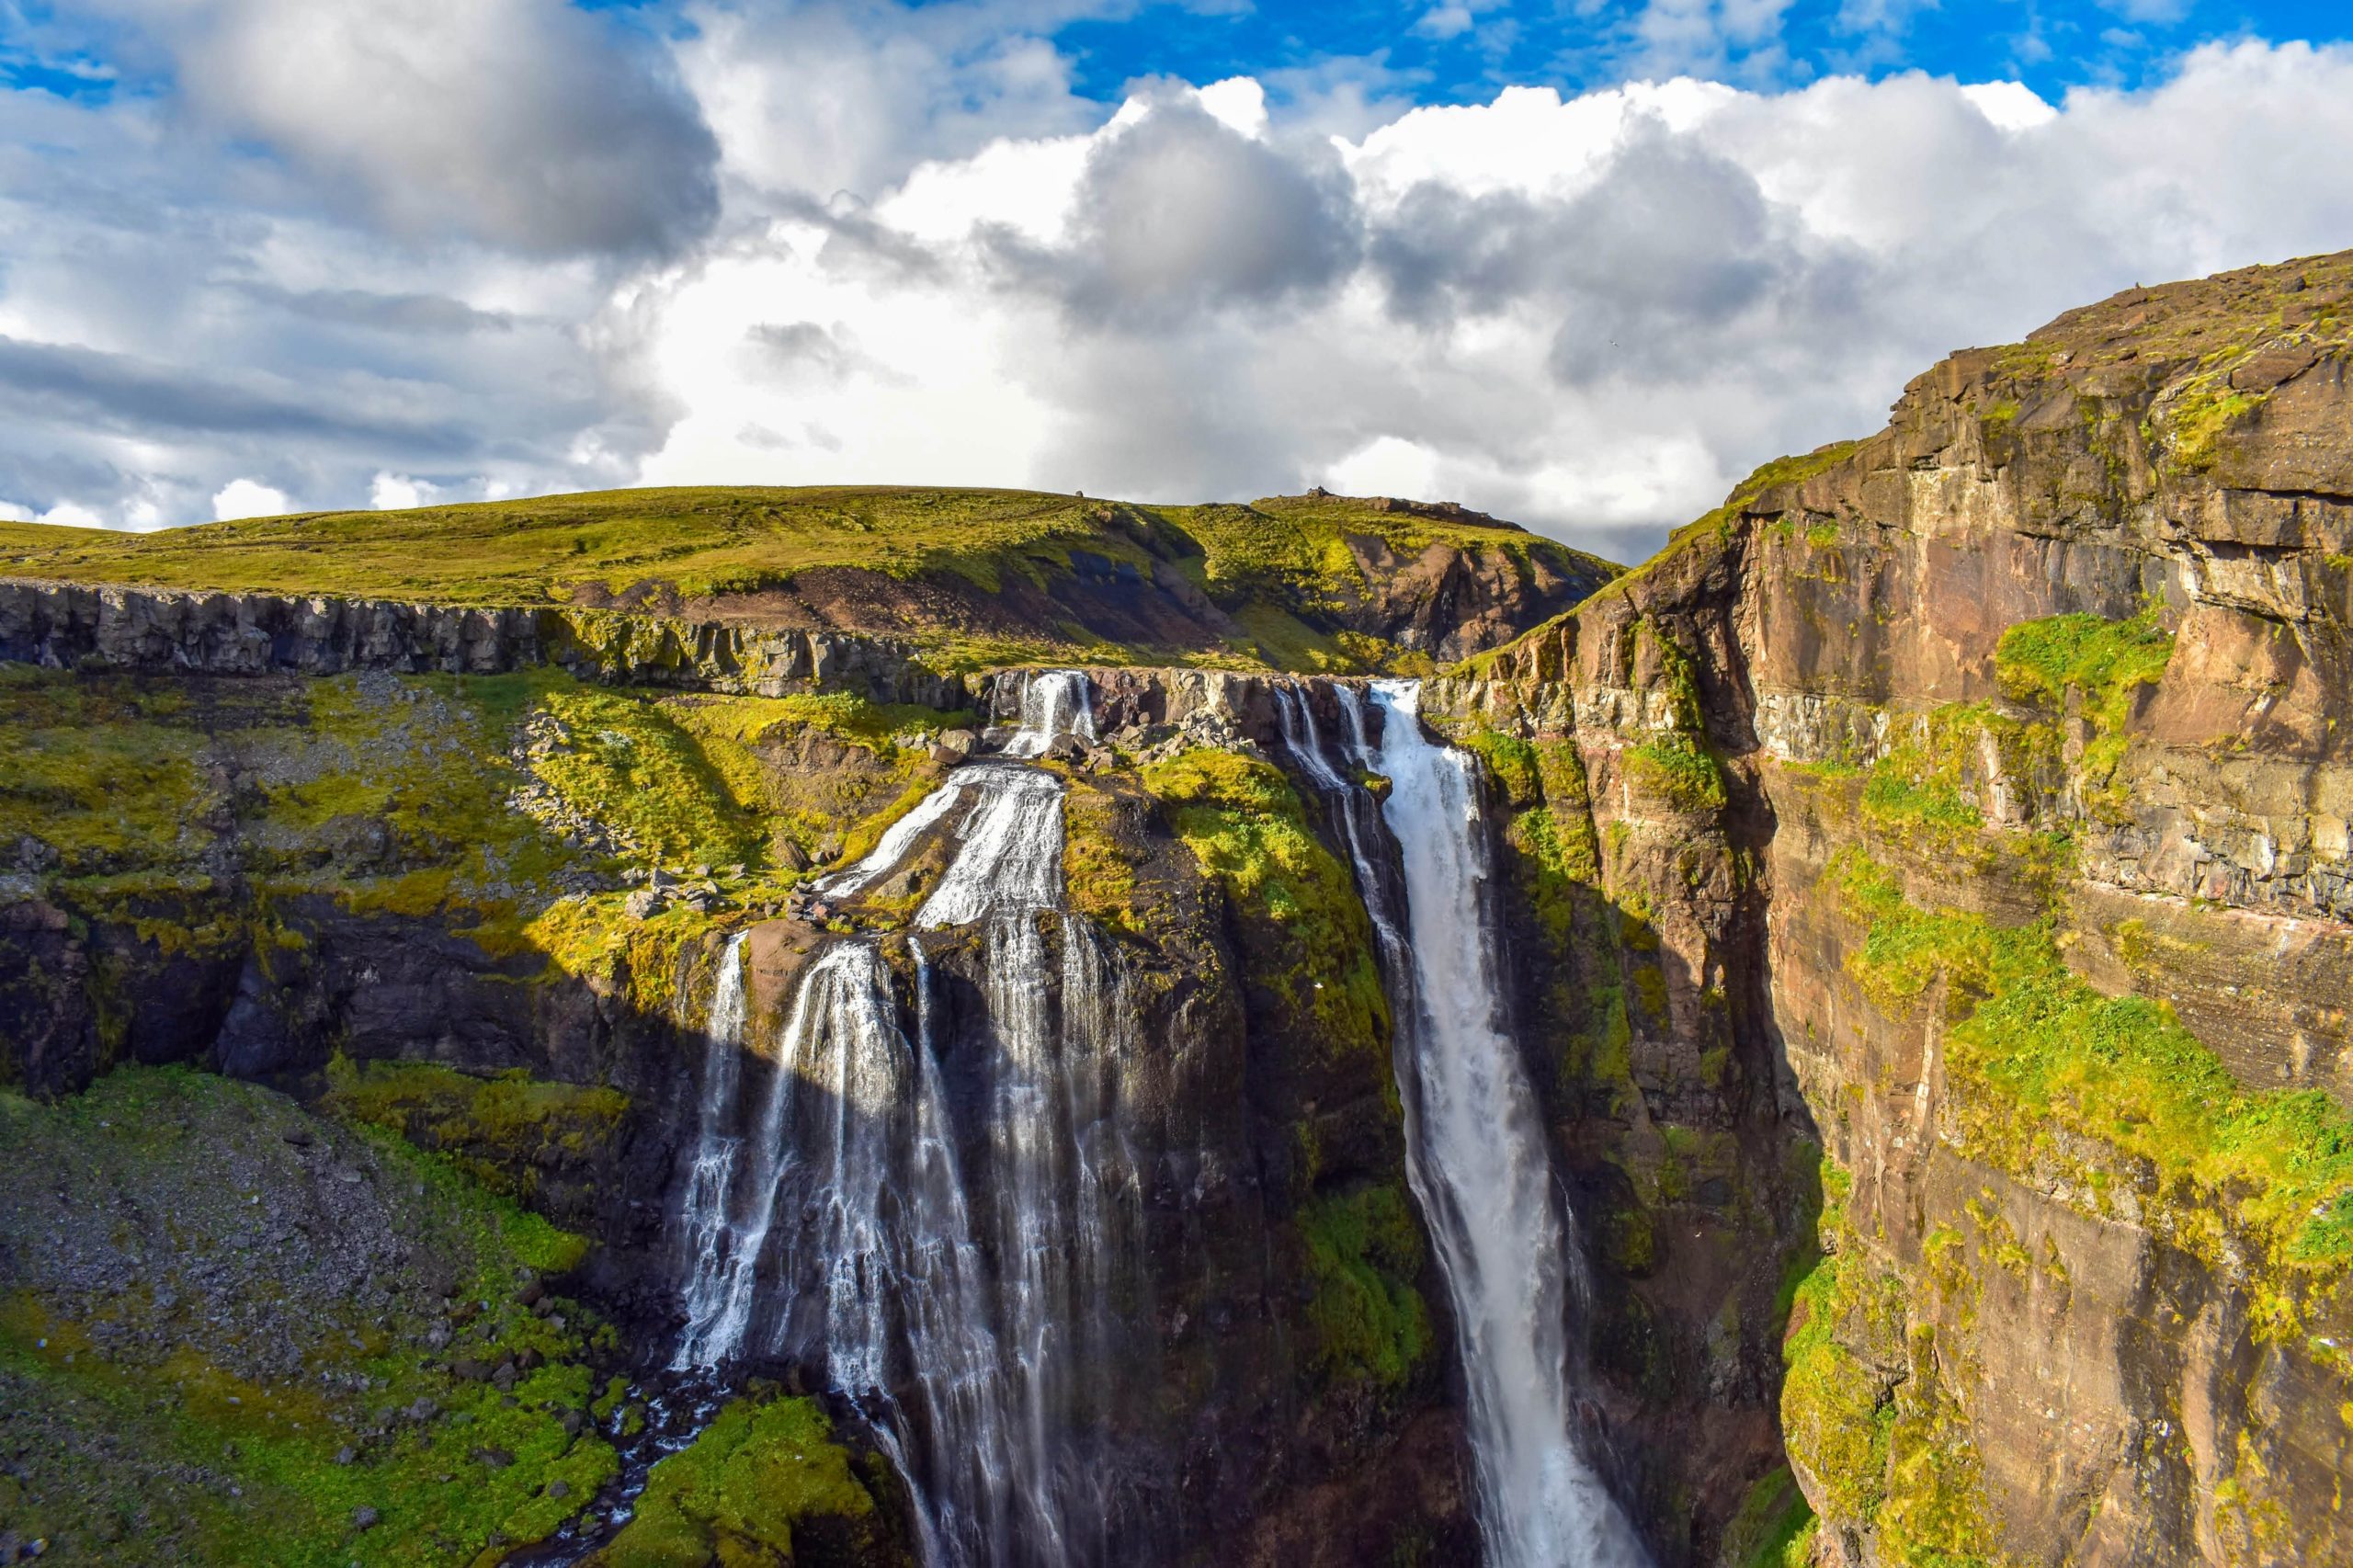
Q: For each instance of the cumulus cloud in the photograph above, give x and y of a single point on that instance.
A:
(248, 499)
(844, 96)
(1594, 314)
(933, 263)
(524, 122)
(1177, 211)
(173, 317)
(390, 492)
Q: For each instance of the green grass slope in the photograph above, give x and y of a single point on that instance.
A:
(1307, 582)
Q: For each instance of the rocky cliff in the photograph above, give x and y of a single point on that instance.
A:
(1925, 888)
(1992, 775)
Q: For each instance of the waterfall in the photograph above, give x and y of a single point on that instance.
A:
(1475, 1147)
(1053, 702)
(964, 1309)
(704, 1229)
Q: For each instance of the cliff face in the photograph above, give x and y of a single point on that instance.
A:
(975, 577)
(2024, 722)
(1925, 887)
(483, 911)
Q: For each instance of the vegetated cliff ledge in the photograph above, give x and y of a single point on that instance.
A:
(971, 577)
(1987, 782)
(1927, 889)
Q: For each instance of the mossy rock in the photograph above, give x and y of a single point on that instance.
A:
(1365, 1251)
(1307, 940)
(765, 1483)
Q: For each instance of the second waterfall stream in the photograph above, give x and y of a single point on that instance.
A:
(1476, 1156)
(974, 1295)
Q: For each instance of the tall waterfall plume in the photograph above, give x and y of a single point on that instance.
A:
(1475, 1148)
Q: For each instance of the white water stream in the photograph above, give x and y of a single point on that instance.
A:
(1474, 1143)
(983, 1370)
(960, 1289)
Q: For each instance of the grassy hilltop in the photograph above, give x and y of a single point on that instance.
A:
(1315, 582)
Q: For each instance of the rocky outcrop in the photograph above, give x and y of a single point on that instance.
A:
(67, 625)
(2021, 728)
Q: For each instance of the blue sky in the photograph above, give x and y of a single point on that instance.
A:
(1456, 51)
(1460, 51)
(1582, 263)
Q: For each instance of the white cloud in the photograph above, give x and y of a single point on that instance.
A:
(248, 499)
(521, 121)
(2011, 105)
(934, 263)
(1387, 465)
(390, 492)
(1445, 22)
(842, 96)
(1594, 314)
(1238, 102)
(66, 514)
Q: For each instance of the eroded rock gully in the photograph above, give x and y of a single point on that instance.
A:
(1925, 888)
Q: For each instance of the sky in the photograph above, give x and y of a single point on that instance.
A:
(1578, 263)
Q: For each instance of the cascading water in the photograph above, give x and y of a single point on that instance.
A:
(981, 1368)
(1053, 702)
(705, 1229)
(1475, 1147)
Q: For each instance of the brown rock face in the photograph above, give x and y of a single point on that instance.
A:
(2055, 669)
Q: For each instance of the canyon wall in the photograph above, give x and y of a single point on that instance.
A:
(1990, 774)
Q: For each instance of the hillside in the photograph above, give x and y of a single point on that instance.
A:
(973, 576)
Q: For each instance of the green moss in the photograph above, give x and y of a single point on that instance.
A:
(1765, 1530)
(1246, 828)
(2107, 661)
(1099, 869)
(1934, 1513)
(1364, 1252)
(765, 1471)
(2194, 419)
(1547, 823)
(1835, 1414)
(1925, 790)
(625, 762)
(1675, 763)
(1679, 769)
(504, 1131)
(157, 1447)
(2259, 1182)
